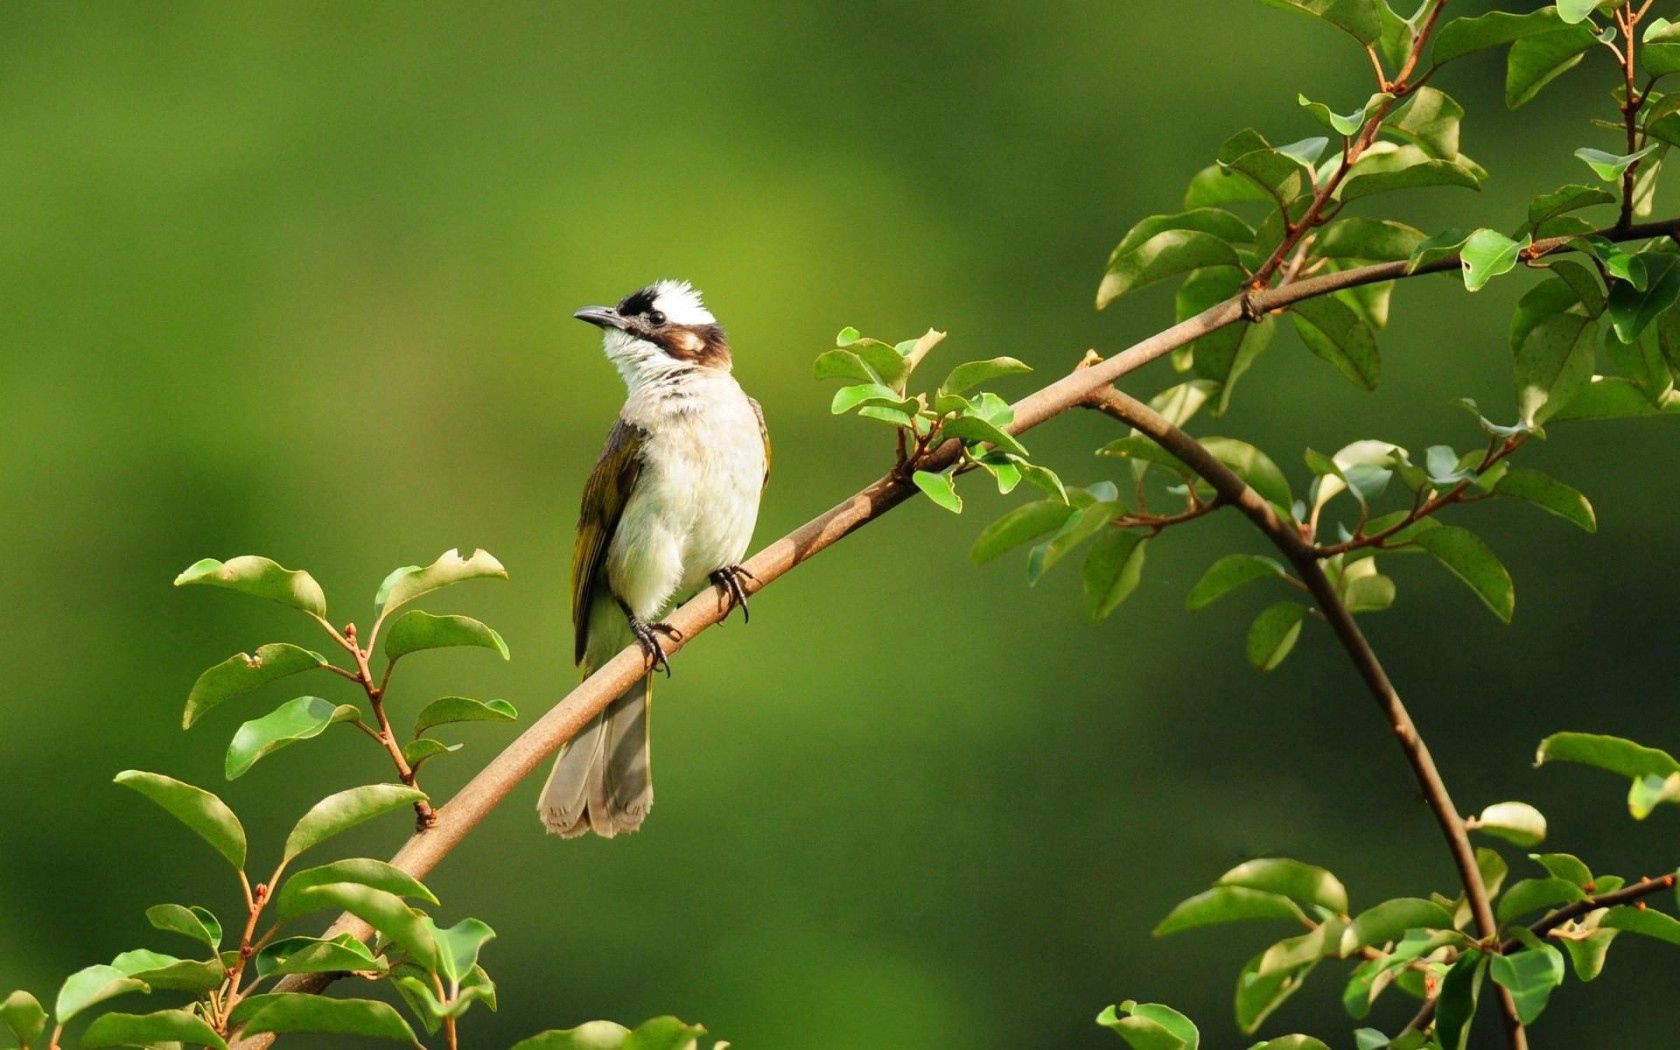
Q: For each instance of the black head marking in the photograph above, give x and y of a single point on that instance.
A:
(637, 303)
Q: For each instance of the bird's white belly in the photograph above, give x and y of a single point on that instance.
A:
(693, 508)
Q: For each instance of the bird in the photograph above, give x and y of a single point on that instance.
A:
(671, 504)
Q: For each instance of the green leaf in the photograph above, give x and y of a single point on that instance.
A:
(1364, 589)
(850, 397)
(192, 922)
(1647, 793)
(1516, 822)
(241, 673)
(661, 1033)
(1633, 308)
(1112, 569)
(1528, 895)
(1548, 206)
(1611, 753)
(1292, 1042)
(285, 1012)
(1387, 921)
(841, 364)
(1487, 254)
(1024, 523)
(1586, 953)
(1358, 18)
(1229, 573)
(971, 374)
(972, 430)
(302, 718)
(1554, 355)
(1530, 976)
(1273, 634)
(164, 1026)
(458, 947)
(1457, 1004)
(1163, 245)
(1258, 994)
(259, 577)
(22, 1013)
(1431, 122)
(1645, 922)
(1150, 1026)
(1368, 240)
(91, 986)
(341, 954)
(408, 583)
(1225, 904)
(1536, 61)
(1300, 882)
(418, 751)
(1463, 36)
(417, 629)
(1572, 11)
(1610, 166)
(1387, 168)
(1564, 866)
(404, 926)
(1254, 467)
(291, 903)
(1610, 397)
(1468, 558)
(162, 972)
(1076, 530)
(1344, 126)
(1332, 330)
(463, 709)
(940, 488)
(1549, 495)
(1445, 245)
(208, 816)
(848, 335)
(344, 810)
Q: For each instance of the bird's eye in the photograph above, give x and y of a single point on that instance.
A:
(655, 317)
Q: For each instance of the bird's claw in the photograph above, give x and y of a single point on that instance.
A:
(729, 578)
(647, 636)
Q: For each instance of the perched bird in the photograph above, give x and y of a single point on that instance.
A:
(670, 504)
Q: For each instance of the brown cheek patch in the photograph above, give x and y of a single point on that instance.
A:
(703, 346)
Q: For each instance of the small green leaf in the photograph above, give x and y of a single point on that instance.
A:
(1078, 528)
(1024, 523)
(162, 972)
(416, 752)
(1611, 753)
(1164, 245)
(1273, 634)
(192, 922)
(285, 1012)
(242, 673)
(1549, 495)
(972, 430)
(91, 986)
(1647, 793)
(1564, 866)
(848, 335)
(1357, 18)
(1442, 246)
(298, 719)
(260, 577)
(1548, 206)
(1344, 126)
(341, 954)
(1300, 882)
(406, 927)
(290, 902)
(1572, 11)
(1150, 1026)
(1463, 36)
(1468, 558)
(450, 709)
(1229, 573)
(1610, 166)
(1530, 976)
(971, 374)
(1516, 822)
(850, 397)
(410, 582)
(1456, 1006)
(1368, 240)
(940, 488)
(208, 816)
(1254, 467)
(1635, 304)
(1387, 921)
(1258, 994)
(1292, 1042)
(1529, 895)
(1487, 254)
(1645, 922)
(1586, 953)
(661, 1033)
(1536, 61)
(1332, 330)
(1112, 569)
(843, 364)
(344, 810)
(164, 1026)
(458, 947)
(1387, 168)
(1431, 122)
(22, 1013)
(417, 629)
(1554, 352)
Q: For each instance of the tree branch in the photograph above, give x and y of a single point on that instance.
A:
(526, 753)
(1287, 537)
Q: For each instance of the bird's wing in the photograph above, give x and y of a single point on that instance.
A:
(763, 432)
(604, 497)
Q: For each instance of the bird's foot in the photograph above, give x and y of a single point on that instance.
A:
(647, 636)
(729, 578)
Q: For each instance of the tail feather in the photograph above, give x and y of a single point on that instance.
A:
(601, 780)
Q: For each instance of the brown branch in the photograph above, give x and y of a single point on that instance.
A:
(566, 718)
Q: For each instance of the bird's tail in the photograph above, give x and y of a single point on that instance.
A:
(601, 781)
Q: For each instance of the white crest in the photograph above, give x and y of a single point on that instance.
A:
(680, 302)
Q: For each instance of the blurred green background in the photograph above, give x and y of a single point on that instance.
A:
(297, 280)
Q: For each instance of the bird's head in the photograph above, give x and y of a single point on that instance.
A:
(658, 331)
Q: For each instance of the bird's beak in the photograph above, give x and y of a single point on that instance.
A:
(601, 317)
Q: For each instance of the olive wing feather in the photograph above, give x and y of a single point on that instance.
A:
(604, 498)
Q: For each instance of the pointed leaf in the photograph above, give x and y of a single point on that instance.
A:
(1024, 523)
(1610, 166)
(192, 922)
(1516, 822)
(973, 373)
(450, 709)
(1229, 573)
(1332, 330)
(290, 902)
(1385, 922)
(1612, 753)
(1112, 570)
(1487, 254)
(1224, 904)
(1150, 1026)
(458, 946)
(404, 926)
(1357, 18)
(1470, 560)
(1530, 976)
(1549, 495)
(417, 629)
(22, 1013)
(341, 954)
(1305, 883)
(296, 1012)
(241, 673)
(164, 1026)
(409, 583)
(91, 986)
(1273, 634)
(1536, 61)
(208, 816)
(1258, 994)
(1463, 36)
(299, 719)
(940, 488)
(342, 811)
